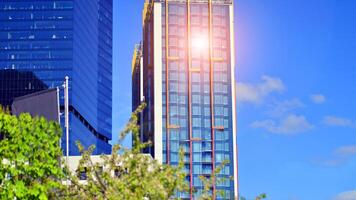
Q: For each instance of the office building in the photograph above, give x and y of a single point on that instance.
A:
(188, 84)
(41, 42)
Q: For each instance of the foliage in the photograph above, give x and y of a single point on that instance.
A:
(209, 182)
(29, 157)
(131, 175)
(259, 197)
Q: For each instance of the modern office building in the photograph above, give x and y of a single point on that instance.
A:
(42, 41)
(188, 84)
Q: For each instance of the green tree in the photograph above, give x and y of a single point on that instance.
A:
(126, 173)
(29, 157)
(259, 197)
(209, 182)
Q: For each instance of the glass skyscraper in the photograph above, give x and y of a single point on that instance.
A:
(188, 84)
(42, 41)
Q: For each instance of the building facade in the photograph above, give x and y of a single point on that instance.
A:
(41, 42)
(189, 86)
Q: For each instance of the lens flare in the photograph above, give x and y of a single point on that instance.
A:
(200, 43)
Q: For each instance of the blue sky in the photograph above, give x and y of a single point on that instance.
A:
(296, 94)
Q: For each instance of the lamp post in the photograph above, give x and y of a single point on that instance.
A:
(66, 116)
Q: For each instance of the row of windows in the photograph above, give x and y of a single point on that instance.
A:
(207, 169)
(37, 55)
(197, 9)
(35, 65)
(199, 147)
(33, 45)
(220, 51)
(33, 35)
(203, 133)
(197, 157)
(197, 99)
(36, 15)
(199, 122)
(35, 25)
(38, 5)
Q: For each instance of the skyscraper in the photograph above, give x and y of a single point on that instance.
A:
(189, 87)
(41, 42)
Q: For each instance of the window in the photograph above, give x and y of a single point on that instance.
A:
(197, 157)
(173, 98)
(195, 20)
(182, 98)
(182, 88)
(219, 110)
(196, 147)
(218, 157)
(207, 123)
(173, 87)
(196, 99)
(173, 65)
(196, 133)
(173, 111)
(206, 99)
(174, 135)
(195, 77)
(196, 110)
(174, 157)
(219, 145)
(174, 120)
(195, 88)
(183, 123)
(174, 146)
(173, 76)
(197, 169)
(207, 135)
(182, 111)
(207, 169)
(183, 135)
(206, 111)
(206, 88)
(196, 122)
(197, 181)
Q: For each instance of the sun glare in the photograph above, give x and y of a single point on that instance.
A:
(200, 43)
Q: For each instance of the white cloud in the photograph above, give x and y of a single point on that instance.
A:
(317, 98)
(346, 151)
(281, 108)
(290, 125)
(255, 93)
(348, 195)
(338, 121)
(339, 156)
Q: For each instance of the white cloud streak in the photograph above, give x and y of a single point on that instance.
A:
(340, 156)
(255, 93)
(348, 195)
(281, 108)
(339, 122)
(317, 98)
(290, 125)
(346, 151)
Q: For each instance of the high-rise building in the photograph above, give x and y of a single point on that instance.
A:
(188, 83)
(41, 42)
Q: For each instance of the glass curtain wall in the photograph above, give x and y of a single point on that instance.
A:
(191, 89)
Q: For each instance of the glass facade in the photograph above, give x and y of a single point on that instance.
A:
(51, 39)
(196, 81)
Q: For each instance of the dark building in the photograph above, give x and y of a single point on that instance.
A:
(188, 83)
(14, 83)
(51, 39)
